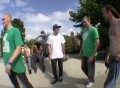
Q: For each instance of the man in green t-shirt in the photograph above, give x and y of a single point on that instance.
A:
(12, 42)
(88, 51)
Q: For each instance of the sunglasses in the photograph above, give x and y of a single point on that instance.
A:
(3, 19)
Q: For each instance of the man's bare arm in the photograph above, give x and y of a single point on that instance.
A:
(15, 55)
(107, 56)
(49, 50)
(91, 58)
(81, 50)
(63, 48)
(96, 48)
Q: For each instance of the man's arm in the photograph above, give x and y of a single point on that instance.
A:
(18, 43)
(49, 50)
(96, 47)
(81, 50)
(63, 49)
(27, 52)
(13, 59)
(16, 53)
(91, 58)
(107, 56)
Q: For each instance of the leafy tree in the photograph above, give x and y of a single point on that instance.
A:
(70, 45)
(93, 9)
(19, 24)
(30, 42)
(114, 3)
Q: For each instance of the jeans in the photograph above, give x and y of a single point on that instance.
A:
(40, 59)
(113, 74)
(60, 64)
(28, 61)
(42, 65)
(33, 63)
(88, 68)
(22, 77)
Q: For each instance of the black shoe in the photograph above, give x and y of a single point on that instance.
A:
(53, 82)
(61, 79)
(30, 71)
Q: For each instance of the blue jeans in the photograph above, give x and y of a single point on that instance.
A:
(113, 74)
(40, 59)
(42, 65)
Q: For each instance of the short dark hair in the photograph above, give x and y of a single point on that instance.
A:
(112, 9)
(87, 17)
(38, 44)
(42, 32)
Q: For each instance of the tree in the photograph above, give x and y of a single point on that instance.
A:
(114, 3)
(30, 42)
(19, 24)
(93, 9)
(70, 44)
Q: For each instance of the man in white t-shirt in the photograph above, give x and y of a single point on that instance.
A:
(56, 47)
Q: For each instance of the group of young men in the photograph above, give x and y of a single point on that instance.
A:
(13, 60)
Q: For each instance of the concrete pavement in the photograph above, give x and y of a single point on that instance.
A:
(73, 76)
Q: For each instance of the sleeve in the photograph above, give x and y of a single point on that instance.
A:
(63, 40)
(95, 34)
(18, 38)
(48, 40)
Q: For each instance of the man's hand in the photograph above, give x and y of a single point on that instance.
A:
(50, 58)
(107, 59)
(118, 57)
(90, 59)
(8, 69)
(107, 63)
(64, 56)
(80, 55)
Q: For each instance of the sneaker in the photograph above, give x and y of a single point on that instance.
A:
(54, 81)
(89, 84)
(61, 79)
(87, 81)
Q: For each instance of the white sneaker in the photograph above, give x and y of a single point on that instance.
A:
(89, 84)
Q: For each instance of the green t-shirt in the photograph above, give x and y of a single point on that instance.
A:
(89, 37)
(11, 40)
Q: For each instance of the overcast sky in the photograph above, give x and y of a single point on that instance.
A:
(41, 14)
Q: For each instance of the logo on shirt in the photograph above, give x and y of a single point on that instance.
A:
(85, 35)
(6, 44)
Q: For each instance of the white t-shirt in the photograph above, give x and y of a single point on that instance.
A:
(56, 45)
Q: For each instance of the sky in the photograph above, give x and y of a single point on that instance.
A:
(39, 15)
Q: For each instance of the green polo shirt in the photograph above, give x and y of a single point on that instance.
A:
(89, 37)
(11, 40)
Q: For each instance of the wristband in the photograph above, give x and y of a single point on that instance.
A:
(9, 63)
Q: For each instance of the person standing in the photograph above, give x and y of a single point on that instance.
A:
(44, 44)
(56, 48)
(13, 60)
(27, 55)
(113, 58)
(29, 59)
(88, 50)
(39, 55)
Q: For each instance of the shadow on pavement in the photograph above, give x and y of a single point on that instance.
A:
(3, 86)
(48, 72)
(68, 82)
(99, 81)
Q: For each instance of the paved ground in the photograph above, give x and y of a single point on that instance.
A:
(73, 76)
